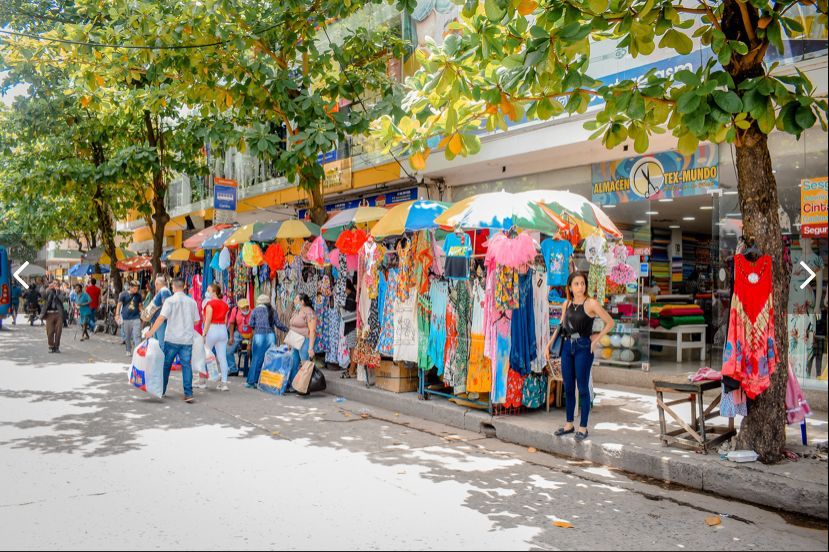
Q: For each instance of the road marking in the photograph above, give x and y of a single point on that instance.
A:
(26, 286)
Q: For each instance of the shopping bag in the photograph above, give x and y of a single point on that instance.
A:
(295, 339)
(276, 369)
(147, 370)
(317, 381)
(303, 377)
(212, 365)
(197, 359)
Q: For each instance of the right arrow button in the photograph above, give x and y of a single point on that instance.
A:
(811, 275)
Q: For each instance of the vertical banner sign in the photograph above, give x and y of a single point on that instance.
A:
(813, 209)
(5, 281)
(668, 174)
(224, 200)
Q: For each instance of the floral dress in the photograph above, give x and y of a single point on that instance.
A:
(385, 344)
(802, 316)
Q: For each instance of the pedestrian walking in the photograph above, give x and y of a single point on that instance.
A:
(16, 293)
(52, 314)
(215, 329)
(84, 310)
(179, 313)
(263, 320)
(94, 293)
(33, 301)
(151, 313)
(577, 349)
(128, 315)
(238, 331)
(303, 322)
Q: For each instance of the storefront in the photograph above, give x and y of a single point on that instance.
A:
(680, 218)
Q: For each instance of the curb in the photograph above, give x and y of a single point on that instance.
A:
(779, 491)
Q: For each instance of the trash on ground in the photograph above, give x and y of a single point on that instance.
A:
(561, 523)
(743, 456)
(339, 400)
(532, 450)
(713, 520)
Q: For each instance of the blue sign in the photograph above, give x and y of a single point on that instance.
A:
(327, 157)
(224, 197)
(644, 270)
(379, 200)
(5, 281)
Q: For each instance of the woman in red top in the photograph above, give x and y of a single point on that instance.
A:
(215, 329)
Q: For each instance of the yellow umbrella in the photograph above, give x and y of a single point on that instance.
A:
(120, 255)
(297, 229)
(241, 235)
(183, 254)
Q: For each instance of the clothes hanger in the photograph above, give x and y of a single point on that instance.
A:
(752, 250)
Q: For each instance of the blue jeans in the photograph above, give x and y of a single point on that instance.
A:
(231, 354)
(576, 363)
(259, 345)
(300, 356)
(185, 354)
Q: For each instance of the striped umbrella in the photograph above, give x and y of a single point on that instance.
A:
(195, 241)
(411, 216)
(266, 232)
(183, 254)
(500, 210)
(297, 229)
(244, 234)
(358, 215)
(136, 264)
(585, 214)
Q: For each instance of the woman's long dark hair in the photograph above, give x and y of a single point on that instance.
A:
(306, 300)
(572, 277)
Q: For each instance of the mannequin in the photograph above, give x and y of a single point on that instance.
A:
(803, 308)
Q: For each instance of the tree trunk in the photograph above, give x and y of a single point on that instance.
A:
(108, 237)
(159, 215)
(317, 204)
(764, 429)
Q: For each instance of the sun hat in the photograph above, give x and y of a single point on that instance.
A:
(263, 300)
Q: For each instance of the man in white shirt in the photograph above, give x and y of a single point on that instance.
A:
(181, 315)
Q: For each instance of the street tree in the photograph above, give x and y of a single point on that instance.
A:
(514, 58)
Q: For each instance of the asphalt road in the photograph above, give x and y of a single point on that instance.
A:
(88, 463)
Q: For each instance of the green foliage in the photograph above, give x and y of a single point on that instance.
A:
(504, 64)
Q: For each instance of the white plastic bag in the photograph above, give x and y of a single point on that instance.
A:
(213, 371)
(147, 370)
(198, 359)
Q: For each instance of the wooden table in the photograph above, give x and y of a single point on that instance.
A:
(695, 434)
(677, 339)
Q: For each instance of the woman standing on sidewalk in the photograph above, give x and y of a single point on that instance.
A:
(303, 322)
(215, 329)
(263, 320)
(84, 310)
(577, 349)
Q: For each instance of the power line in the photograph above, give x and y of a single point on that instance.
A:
(129, 46)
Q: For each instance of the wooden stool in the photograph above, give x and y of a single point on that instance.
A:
(696, 435)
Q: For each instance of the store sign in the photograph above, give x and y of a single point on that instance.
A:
(668, 174)
(813, 208)
(379, 200)
(337, 176)
(224, 194)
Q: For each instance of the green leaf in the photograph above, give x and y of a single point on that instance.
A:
(687, 77)
(641, 142)
(495, 9)
(598, 6)
(805, 117)
(688, 102)
(677, 40)
(767, 119)
(728, 101)
(688, 143)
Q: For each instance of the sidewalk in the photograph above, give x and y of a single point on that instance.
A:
(624, 434)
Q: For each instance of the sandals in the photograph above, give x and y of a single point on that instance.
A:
(561, 431)
(188, 400)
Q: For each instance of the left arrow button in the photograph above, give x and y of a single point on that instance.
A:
(17, 275)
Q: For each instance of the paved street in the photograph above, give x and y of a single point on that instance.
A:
(86, 463)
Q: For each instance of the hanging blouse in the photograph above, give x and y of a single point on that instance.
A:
(252, 255)
(351, 242)
(275, 257)
(224, 259)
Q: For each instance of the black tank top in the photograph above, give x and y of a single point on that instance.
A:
(578, 321)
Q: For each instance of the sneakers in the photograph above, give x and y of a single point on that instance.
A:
(129, 354)
(222, 387)
(202, 384)
(250, 386)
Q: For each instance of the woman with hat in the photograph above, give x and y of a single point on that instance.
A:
(263, 320)
(239, 332)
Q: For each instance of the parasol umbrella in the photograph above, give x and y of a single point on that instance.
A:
(244, 234)
(217, 240)
(195, 241)
(99, 255)
(358, 215)
(411, 216)
(136, 264)
(84, 269)
(183, 254)
(297, 229)
(588, 216)
(500, 210)
(265, 232)
(30, 271)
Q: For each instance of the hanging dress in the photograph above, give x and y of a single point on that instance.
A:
(541, 311)
(439, 298)
(479, 377)
(524, 348)
(750, 355)
(386, 343)
(405, 329)
(457, 364)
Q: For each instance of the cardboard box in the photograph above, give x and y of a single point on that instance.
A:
(390, 369)
(397, 385)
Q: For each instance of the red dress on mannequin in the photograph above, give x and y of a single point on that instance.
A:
(750, 355)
